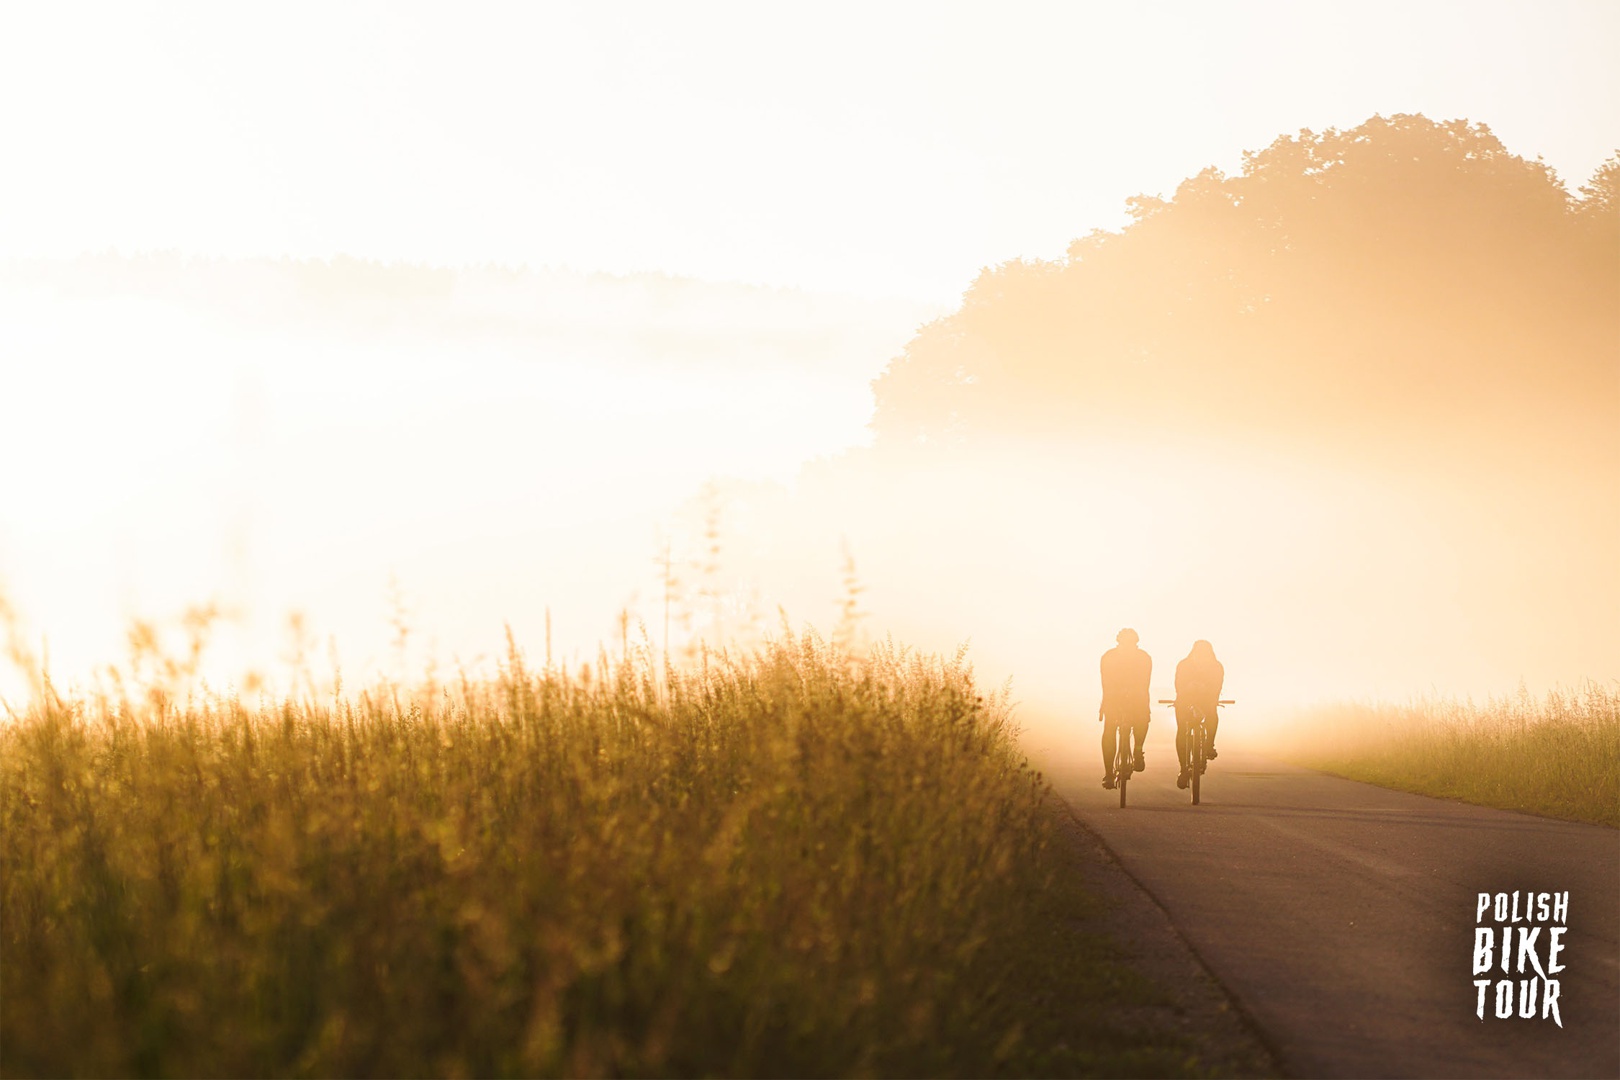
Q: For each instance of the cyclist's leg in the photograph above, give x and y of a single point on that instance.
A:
(1140, 728)
(1211, 722)
(1110, 732)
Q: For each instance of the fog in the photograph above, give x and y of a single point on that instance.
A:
(1352, 414)
(280, 439)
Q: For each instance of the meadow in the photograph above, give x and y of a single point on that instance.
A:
(797, 861)
(1558, 756)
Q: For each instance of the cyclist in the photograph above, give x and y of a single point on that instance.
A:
(1126, 672)
(1198, 685)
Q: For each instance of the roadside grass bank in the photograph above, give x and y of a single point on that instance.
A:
(795, 863)
(1558, 756)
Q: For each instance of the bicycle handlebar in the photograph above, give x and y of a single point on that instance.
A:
(1222, 701)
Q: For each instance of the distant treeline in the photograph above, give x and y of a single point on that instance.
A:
(1395, 279)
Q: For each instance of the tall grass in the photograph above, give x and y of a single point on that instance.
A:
(1558, 756)
(791, 863)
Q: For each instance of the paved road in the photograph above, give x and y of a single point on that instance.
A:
(1341, 915)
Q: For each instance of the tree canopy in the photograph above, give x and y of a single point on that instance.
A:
(1400, 277)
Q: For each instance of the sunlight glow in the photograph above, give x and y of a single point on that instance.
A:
(296, 386)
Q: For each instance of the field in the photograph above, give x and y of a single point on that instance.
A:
(796, 862)
(1558, 756)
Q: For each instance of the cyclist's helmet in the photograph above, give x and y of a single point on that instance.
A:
(1127, 636)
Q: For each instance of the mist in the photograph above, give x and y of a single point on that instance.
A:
(358, 445)
(1350, 414)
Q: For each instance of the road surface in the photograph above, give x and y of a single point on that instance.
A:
(1341, 915)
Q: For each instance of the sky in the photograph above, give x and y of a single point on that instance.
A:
(889, 150)
(858, 163)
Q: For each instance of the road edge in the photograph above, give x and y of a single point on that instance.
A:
(1262, 1051)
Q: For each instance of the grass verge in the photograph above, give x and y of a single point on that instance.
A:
(793, 864)
(1559, 756)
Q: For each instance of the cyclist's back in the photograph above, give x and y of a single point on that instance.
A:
(1199, 677)
(1126, 673)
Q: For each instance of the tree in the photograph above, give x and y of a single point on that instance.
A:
(1398, 278)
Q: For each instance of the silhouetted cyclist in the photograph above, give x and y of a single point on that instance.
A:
(1126, 672)
(1198, 686)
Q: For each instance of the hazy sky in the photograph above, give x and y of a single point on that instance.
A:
(888, 149)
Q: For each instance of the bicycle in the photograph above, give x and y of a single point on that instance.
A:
(1196, 741)
(1124, 761)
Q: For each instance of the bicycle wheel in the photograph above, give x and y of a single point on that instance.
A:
(1122, 765)
(1195, 754)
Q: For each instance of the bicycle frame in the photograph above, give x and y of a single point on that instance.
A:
(1196, 742)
